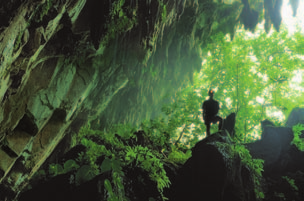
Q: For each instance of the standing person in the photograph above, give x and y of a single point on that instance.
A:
(210, 109)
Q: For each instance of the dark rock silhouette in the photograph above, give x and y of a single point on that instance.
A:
(296, 117)
(276, 149)
(228, 124)
(212, 174)
(284, 162)
(274, 144)
(62, 188)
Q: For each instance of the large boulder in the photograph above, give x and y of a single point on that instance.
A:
(295, 117)
(275, 144)
(276, 148)
(213, 173)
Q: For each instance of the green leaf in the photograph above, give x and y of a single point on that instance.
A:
(85, 173)
(106, 165)
(116, 165)
(121, 13)
(108, 186)
(70, 165)
(55, 169)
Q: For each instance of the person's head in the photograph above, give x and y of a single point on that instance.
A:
(211, 93)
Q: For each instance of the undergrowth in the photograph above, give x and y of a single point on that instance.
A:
(149, 148)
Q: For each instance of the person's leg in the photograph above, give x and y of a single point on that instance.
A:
(220, 120)
(207, 128)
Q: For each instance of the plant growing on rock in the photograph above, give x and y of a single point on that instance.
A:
(297, 140)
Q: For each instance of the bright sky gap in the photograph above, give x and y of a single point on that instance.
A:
(291, 23)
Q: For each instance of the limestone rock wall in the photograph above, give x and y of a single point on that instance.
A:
(45, 91)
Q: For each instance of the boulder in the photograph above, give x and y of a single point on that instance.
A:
(276, 149)
(213, 173)
(274, 144)
(228, 124)
(295, 117)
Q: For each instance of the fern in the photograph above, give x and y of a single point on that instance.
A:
(291, 183)
(255, 165)
(115, 145)
(297, 140)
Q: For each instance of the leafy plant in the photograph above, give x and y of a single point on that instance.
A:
(179, 156)
(122, 149)
(291, 183)
(163, 10)
(297, 140)
(84, 173)
(255, 165)
(41, 11)
(56, 169)
(121, 19)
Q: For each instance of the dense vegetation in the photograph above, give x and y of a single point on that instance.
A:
(252, 76)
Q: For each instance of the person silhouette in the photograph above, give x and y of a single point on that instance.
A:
(210, 109)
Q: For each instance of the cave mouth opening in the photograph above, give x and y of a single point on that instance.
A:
(255, 74)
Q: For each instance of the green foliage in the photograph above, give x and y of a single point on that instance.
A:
(291, 183)
(70, 165)
(56, 169)
(297, 131)
(230, 150)
(84, 173)
(251, 75)
(158, 132)
(184, 118)
(116, 145)
(44, 9)
(112, 195)
(121, 149)
(150, 162)
(122, 18)
(41, 11)
(179, 156)
(163, 10)
(255, 165)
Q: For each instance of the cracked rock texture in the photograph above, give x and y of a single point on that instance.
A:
(64, 63)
